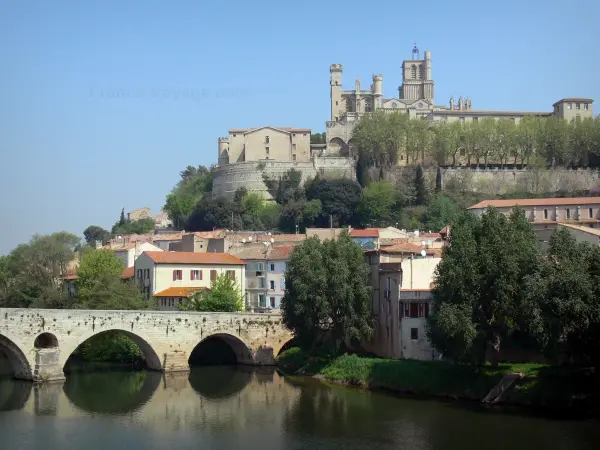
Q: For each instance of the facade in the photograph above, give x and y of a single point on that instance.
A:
(582, 233)
(161, 220)
(416, 98)
(265, 143)
(265, 276)
(170, 277)
(546, 213)
(368, 238)
(129, 252)
(402, 277)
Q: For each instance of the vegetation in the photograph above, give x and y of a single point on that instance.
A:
(224, 296)
(327, 301)
(382, 139)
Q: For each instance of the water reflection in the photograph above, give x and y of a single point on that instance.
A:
(239, 408)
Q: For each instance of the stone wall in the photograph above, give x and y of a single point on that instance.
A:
(496, 181)
(227, 179)
(39, 342)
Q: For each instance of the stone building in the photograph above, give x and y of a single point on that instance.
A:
(416, 98)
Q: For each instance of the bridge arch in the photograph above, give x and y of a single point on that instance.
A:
(45, 340)
(243, 354)
(18, 361)
(153, 361)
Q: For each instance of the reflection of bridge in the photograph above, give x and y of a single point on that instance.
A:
(38, 342)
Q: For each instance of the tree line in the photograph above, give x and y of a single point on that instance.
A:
(385, 139)
(494, 285)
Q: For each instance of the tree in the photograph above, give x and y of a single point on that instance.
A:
(99, 284)
(318, 138)
(562, 298)
(339, 199)
(224, 296)
(377, 202)
(94, 233)
(420, 186)
(327, 299)
(122, 219)
(482, 278)
(194, 185)
(140, 226)
(442, 211)
(213, 213)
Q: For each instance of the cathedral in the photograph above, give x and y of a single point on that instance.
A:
(416, 98)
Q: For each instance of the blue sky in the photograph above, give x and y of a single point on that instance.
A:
(103, 103)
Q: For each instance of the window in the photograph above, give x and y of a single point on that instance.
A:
(586, 106)
(260, 267)
(271, 284)
(304, 134)
(336, 103)
(407, 309)
(577, 105)
(545, 214)
(283, 267)
(272, 301)
(139, 274)
(177, 275)
(272, 267)
(213, 275)
(266, 139)
(146, 273)
(261, 282)
(267, 150)
(400, 310)
(413, 72)
(568, 213)
(262, 301)
(283, 284)
(294, 157)
(414, 309)
(231, 274)
(195, 275)
(388, 283)
(293, 146)
(414, 334)
(569, 106)
(590, 213)
(462, 152)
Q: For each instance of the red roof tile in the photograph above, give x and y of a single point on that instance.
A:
(193, 258)
(281, 253)
(128, 273)
(537, 202)
(178, 291)
(367, 232)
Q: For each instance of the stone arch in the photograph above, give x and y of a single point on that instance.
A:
(46, 340)
(153, 361)
(18, 361)
(242, 352)
(285, 345)
(336, 146)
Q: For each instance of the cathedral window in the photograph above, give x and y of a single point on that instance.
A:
(266, 139)
(419, 72)
(413, 72)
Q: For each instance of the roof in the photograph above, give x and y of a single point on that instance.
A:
(284, 129)
(537, 202)
(593, 231)
(476, 112)
(193, 258)
(128, 273)
(168, 237)
(444, 230)
(367, 232)
(574, 99)
(410, 248)
(69, 276)
(282, 253)
(178, 291)
(273, 253)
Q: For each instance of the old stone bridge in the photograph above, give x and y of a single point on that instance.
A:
(38, 342)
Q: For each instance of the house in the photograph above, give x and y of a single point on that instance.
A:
(69, 280)
(402, 277)
(582, 234)
(368, 238)
(128, 252)
(546, 213)
(170, 277)
(265, 276)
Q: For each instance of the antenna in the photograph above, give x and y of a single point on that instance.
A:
(423, 253)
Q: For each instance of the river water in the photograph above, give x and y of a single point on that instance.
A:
(232, 408)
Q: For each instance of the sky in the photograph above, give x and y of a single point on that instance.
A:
(103, 103)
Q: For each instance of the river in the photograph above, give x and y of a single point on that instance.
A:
(235, 408)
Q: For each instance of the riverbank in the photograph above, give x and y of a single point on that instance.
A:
(556, 388)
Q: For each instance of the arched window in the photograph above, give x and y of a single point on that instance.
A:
(413, 72)
(545, 214)
(419, 75)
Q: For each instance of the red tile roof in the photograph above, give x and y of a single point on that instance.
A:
(128, 273)
(281, 253)
(193, 258)
(411, 248)
(178, 291)
(537, 202)
(367, 232)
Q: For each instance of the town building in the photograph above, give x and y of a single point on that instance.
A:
(416, 97)
(265, 276)
(171, 277)
(402, 279)
(367, 238)
(128, 252)
(582, 233)
(161, 220)
(546, 213)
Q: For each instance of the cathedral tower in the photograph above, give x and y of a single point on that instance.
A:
(417, 83)
(335, 90)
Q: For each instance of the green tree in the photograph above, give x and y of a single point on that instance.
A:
(377, 202)
(327, 298)
(224, 296)
(94, 233)
(318, 138)
(420, 187)
(442, 211)
(339, 199)
(482, 277)
(194, 185)
(99, 284)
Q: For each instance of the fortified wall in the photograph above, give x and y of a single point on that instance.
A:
(229, 178)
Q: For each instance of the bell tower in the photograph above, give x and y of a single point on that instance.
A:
(416, 77)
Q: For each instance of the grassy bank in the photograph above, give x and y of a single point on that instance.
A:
(552, 387)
